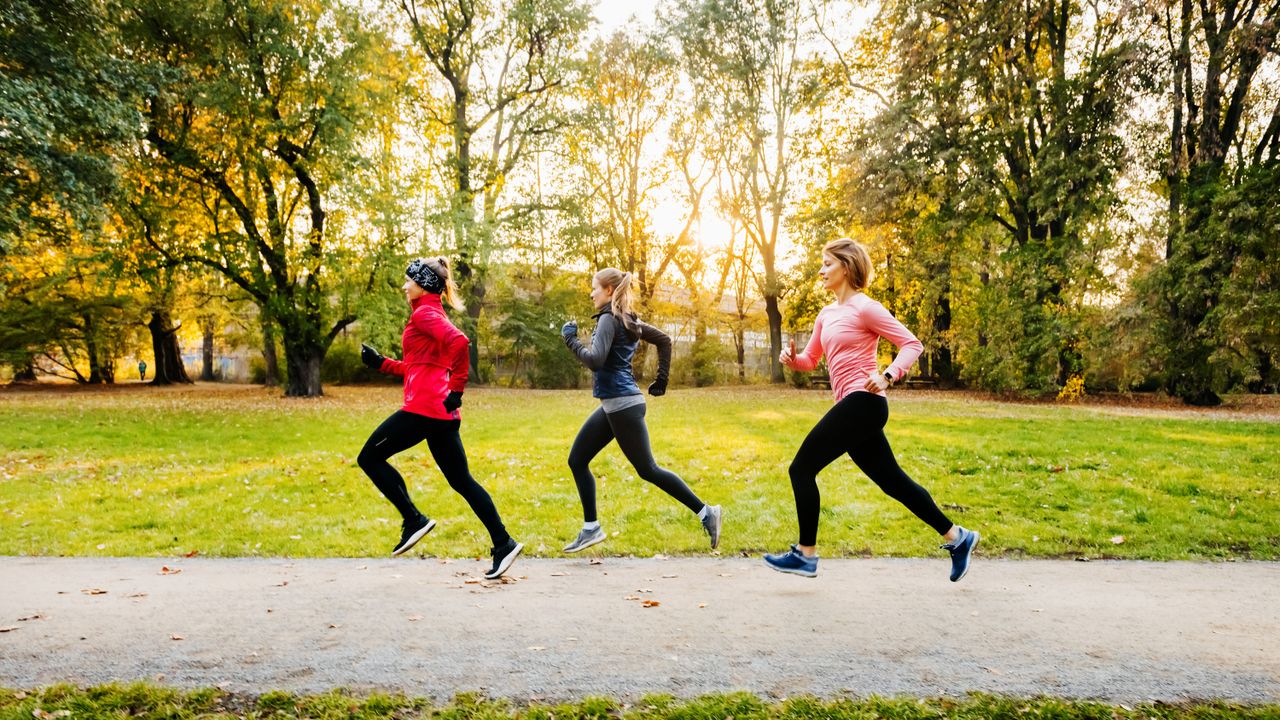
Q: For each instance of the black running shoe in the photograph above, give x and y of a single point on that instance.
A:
(411, 532)
(502, 558)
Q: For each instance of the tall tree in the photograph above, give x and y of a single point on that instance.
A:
(997, 162)
(1218, 239)
(746, 55)
(259, 115)
(504, 64)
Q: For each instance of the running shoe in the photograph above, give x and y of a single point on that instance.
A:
(586, 539)
(711, 523)
(961, 549)
(411, 532)
(793, 561)
(502, 558)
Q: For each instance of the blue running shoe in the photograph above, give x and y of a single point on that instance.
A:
(793, 561)
(961, 549)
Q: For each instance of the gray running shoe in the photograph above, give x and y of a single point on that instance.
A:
(586, 539)
(711, 523)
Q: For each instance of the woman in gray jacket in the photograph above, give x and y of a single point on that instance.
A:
(622, 407)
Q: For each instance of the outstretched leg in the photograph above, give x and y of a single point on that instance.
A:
(633, 437)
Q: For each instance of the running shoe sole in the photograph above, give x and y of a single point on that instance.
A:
(506, 563)
(414, 538)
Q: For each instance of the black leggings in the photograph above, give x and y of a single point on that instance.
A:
(856, 426)
(628, 428)
(402, 431)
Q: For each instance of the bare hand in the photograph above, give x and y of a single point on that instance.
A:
(788, 355)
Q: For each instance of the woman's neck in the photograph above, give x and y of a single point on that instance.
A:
(845, 292)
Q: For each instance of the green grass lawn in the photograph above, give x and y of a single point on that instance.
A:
(238, 470)
(151, 702)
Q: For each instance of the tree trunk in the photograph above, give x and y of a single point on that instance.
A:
(269, 358)
(168, 368)
(303, 360)
(206, 366)
(775, 338)
(25, 371)
(740, 342)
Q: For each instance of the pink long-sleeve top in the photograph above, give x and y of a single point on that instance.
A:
(847, 334)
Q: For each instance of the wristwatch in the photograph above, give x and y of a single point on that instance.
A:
(888, 377)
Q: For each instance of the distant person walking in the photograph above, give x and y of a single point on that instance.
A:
(434, 369)
(142, 371)
(847, 332)
(622, 406)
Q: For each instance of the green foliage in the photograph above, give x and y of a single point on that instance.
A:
(1222, 289)
(151, 702)
(66, 107)
(531, 318)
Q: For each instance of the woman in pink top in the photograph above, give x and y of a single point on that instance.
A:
(847, 332)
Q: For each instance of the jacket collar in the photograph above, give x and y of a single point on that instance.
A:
(430, 300)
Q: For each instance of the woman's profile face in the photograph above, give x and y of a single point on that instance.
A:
(832, 273)
(412, 290)
(600, 295)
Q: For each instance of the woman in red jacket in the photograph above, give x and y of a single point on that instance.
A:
(435, 374)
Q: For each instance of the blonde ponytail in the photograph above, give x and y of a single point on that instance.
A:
(623, 297)
(440, 266)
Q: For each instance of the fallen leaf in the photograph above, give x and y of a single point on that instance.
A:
(596, 561)
(631, 597)
(94, 591)
(644, 590)
(702, 605)
(282, 583)
(535, 648)
(192, 554)
(334, 626)
(1117, 540)
(37, 616)
(166, 570)
(650, 603)
(559, 574)
(415, 618)
(176, 636)
(136, 595)
(668, 577)
(8, 628)
(991, 670)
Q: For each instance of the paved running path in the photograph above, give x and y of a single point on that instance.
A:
(561, 629)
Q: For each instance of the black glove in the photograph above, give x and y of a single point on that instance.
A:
(371, 357)
(453, 401)
(658, 387)
(569, 330)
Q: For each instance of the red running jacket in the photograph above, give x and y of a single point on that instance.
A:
(435, 360)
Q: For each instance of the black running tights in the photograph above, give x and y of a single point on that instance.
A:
(856, 426)
(402, 431)
(628, 428)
